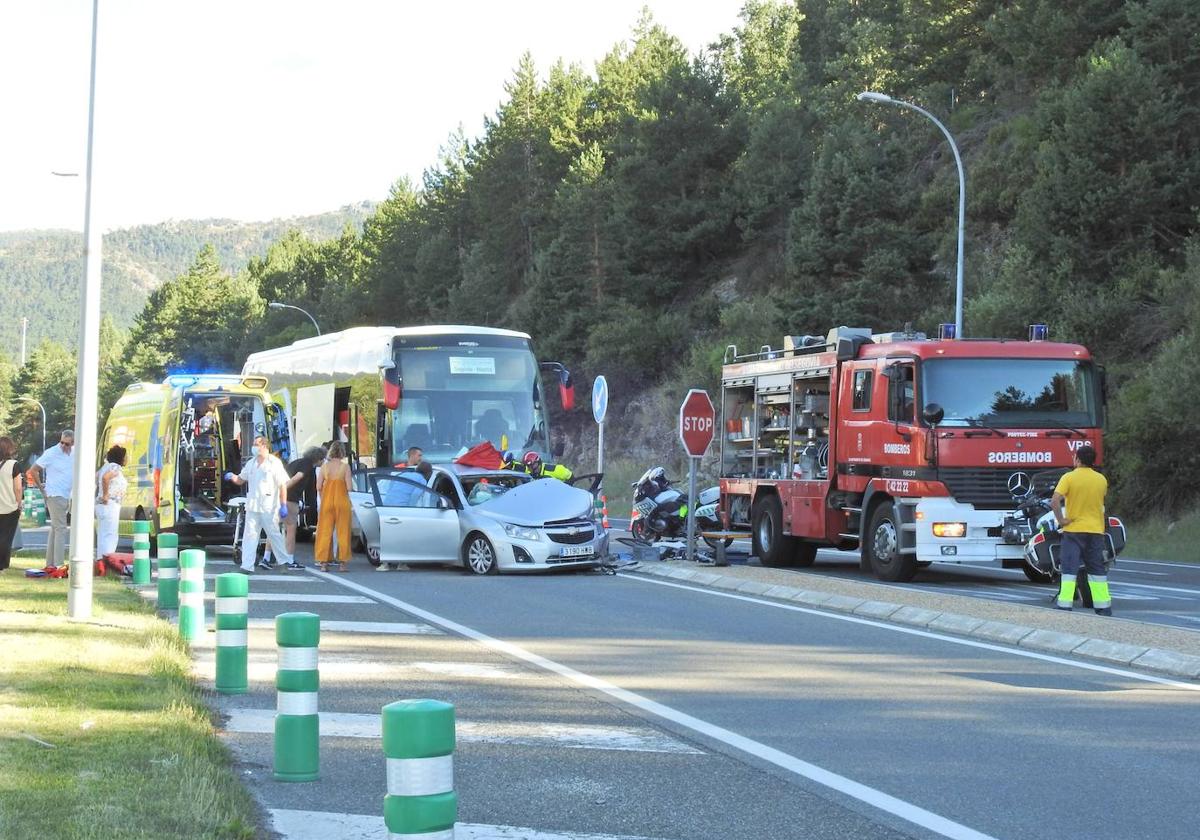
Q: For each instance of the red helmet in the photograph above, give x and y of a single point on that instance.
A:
(531, 458)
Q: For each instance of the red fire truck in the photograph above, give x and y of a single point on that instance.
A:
(912, 450)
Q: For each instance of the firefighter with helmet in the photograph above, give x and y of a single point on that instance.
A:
(533, 464)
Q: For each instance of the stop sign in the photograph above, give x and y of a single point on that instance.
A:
(697, 421)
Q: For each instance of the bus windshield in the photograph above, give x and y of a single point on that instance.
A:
(1013, 393)
(459, 391)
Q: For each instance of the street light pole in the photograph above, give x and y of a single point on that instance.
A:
(277, 305)
(24, 329)
(883, 98)
(43, 408)
(83, 528)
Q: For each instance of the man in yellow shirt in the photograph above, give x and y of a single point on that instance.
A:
(1083, 489)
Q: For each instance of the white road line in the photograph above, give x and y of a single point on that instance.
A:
(301, 599)
(928, 634)
(293, 578)
(320, 825)
(262, 665)
(566, 736)
(397, 628)
(1193, 592)
(848, 787)
(1138, 572)
(1193, 566)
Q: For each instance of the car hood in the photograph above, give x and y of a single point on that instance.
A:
(538, 502)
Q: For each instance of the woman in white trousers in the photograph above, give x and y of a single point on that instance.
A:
(111, 486)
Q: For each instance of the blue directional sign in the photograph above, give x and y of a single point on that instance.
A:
(599, 398)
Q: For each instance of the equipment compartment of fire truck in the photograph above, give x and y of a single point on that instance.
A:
(909, 449)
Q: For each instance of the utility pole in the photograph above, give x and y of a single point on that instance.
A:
(83, 528)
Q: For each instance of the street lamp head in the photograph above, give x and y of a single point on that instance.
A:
(275, 305)
(872, 96)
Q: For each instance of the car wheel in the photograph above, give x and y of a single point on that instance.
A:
(373, 556)
(479, 556)
(883, 546)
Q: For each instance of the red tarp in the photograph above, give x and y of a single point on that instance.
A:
(485, 456)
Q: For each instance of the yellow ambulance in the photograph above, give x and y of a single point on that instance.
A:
(182, 435)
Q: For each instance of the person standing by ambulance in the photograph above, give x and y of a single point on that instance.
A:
(1083, 489)
(266, 504)
(334, 486)
(54, 473)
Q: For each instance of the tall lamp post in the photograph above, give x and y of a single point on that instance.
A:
(83, 528)
(277, 305)
(883, 98)
(43, 408)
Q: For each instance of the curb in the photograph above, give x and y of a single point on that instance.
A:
(1165, 662)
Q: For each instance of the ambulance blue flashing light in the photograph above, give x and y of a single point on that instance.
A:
(947, 332)
(1039, 332)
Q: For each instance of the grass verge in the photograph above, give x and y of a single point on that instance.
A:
(102, 732)
(1160, 539)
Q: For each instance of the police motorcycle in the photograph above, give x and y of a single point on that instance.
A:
(660, 510)
(1034, 526)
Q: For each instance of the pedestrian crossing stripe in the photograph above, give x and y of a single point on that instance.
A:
(394, 628)
(319, 825)
(262, 665)
(529, 734)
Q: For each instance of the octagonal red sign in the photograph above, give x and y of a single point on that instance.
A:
(697, 422)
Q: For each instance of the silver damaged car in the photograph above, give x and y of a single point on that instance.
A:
(487, 521)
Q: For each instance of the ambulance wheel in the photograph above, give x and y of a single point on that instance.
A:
(771, 546)
(1036, 576)
(883, 547)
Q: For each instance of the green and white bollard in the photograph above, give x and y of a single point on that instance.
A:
(233, 590)
(191, 595)
(168, 571)
(297, 725)
(39, 508)
(141, 552)
(27, 503)
(418, 742)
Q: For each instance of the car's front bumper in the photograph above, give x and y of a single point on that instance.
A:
(544, 554)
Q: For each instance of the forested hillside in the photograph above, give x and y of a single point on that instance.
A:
(41, 270)
(638, 216)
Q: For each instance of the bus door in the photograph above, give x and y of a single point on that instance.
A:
(314, 416)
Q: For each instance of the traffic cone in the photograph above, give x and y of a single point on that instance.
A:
(604, 512)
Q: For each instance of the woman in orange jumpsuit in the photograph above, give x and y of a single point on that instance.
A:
(333, 485)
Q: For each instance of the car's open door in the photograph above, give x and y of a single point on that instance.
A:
(416, 524)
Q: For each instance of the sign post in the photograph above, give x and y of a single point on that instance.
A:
(697, 422)
(599, 411)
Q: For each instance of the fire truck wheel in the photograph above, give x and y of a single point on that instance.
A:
(771, 546)
(883, 545)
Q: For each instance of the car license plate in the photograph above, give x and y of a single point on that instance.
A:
(577, 551)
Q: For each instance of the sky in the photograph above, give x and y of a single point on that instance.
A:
(262, 109)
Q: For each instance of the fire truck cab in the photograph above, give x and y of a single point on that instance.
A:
(912, 450)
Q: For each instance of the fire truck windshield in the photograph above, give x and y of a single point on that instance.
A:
(1013, 393)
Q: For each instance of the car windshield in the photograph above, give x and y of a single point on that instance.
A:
(483, 488)
(457, 395)
(1013, 393)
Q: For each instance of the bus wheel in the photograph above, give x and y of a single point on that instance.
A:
(883, 546)
(771, 546)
